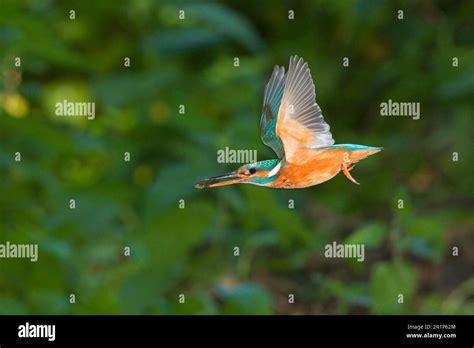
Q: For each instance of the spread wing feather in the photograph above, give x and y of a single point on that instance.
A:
(301, 124)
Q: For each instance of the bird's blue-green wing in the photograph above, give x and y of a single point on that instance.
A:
(271, 105)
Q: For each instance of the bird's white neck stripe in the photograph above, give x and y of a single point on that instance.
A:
(274, 170)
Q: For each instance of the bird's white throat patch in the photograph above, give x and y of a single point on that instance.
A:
(274, 170)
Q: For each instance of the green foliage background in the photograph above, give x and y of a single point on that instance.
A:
(190, 251)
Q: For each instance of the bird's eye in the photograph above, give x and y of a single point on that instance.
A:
(252, 170)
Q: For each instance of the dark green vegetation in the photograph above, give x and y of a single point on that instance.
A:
(191, 250)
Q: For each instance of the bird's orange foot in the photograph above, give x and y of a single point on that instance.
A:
(346, 171)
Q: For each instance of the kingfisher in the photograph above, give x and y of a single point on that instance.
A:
(293, 126)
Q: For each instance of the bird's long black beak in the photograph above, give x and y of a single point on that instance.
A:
(220, 180)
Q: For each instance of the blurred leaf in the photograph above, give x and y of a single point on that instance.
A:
(425, 238)
(175, 41)
(387, 282)
(246, 299)
(12, 306)
(227, 22)
(168, 241)
(371, 235)
(127, 88)
(460, 87)
(207, 24)
(197, 303)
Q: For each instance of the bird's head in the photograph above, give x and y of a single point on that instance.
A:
(258, 173)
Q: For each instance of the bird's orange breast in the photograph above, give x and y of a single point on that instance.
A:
(317, 167)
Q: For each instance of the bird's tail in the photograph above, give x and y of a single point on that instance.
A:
(355, 154)
(358, 152)
(363, 152)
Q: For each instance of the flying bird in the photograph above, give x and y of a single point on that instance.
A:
(293, 126)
